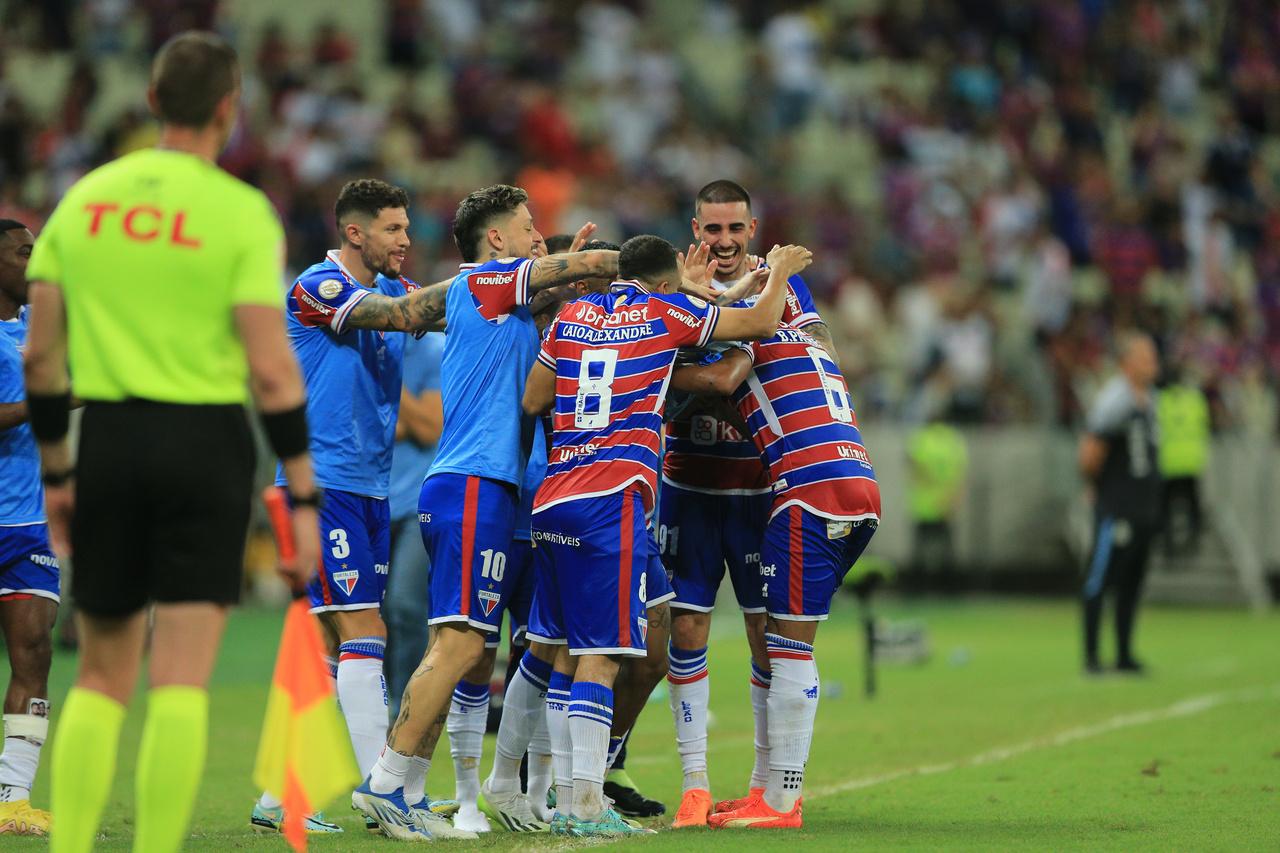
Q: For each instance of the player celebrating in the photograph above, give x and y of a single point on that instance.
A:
(604, 366)
(337, 321)
(469, 499)
(28, 570)
(715, 502)
(826, 506)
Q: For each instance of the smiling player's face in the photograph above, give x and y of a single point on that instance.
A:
(518, 234)
(386, 241)
(727, 228)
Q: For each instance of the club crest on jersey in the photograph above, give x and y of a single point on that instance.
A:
(346, 580)
(644, 629)
(329, 288)
(488, 600)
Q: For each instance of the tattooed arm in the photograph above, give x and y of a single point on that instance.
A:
(573, 266)
(422, 310)
(821, 333)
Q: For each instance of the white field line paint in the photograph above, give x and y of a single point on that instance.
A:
(1183, 708)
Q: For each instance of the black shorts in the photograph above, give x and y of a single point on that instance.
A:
(163, 497)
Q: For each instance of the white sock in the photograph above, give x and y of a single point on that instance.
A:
(561, 741)
(24, 735)
(690, 696)
(590, 718)
(541, 776)
(760, 713)
(362, 694)
(415, 781)
(523, 706)
(389, 771)
(268, 801)
(468, 715)
(793, 705)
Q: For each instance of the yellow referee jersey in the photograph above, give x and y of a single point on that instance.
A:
(152, 251)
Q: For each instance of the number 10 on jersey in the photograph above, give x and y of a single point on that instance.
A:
(595, 388)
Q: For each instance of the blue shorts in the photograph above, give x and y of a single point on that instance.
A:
(519, 591)
(699, 533)
(592, 555)
(467, 522)
(355, 553)
(27, 564)
(805, 559)
(544, 623)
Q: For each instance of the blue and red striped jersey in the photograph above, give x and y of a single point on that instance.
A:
(705, 454)
(802, 424)
(613, 354)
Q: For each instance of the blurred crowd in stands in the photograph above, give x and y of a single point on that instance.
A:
(992, 187)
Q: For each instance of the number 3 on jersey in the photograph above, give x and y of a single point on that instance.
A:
(595, 388)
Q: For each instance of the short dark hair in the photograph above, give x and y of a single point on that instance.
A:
(191, 74)
(7, 225)
(558, 243)
(646, 258)
(477, 210)
(601, 246)
(365, 197)
(722, 192)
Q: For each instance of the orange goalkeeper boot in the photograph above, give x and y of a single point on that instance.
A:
(733, 805)
(757, 815)
(695, 808)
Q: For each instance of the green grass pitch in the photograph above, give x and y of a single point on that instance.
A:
(997, 742)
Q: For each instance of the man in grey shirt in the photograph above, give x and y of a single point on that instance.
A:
(1118, 458)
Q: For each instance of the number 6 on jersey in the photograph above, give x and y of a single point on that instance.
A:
(595, 388)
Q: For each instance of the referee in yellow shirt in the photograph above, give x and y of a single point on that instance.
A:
(158, 281)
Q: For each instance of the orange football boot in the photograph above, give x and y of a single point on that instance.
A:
(757, 815)
(695, 808)
(732, 805)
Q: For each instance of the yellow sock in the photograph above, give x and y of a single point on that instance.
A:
(84, 762)
(170, 763)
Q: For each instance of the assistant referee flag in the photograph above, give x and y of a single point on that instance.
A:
(304, 757)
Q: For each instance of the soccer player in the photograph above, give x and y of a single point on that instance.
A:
(639, 676)
(470, 497)
(29, 582)
(826, 506)
(715, 504)
(353, 370)
(1119, 459)
(604, 366)
(159, 277)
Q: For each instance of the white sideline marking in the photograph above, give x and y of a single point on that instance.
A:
(1182, 708)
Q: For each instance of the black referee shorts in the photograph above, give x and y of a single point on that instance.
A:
(162, 505)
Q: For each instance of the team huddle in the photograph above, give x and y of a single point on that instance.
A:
(564, 378)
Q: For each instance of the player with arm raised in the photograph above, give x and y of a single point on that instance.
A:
(604, 367)
(468, 502)
(353, 379)
(715, 503)
(825, 508)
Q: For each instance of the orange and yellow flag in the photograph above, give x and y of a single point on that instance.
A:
(304, 757)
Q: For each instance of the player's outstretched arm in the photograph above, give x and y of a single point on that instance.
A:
(749, 285)
(563, 268)
(721, 377)
(12, 414)
(760, 321)
(821, 333)
(539, 390)
(420, 311)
